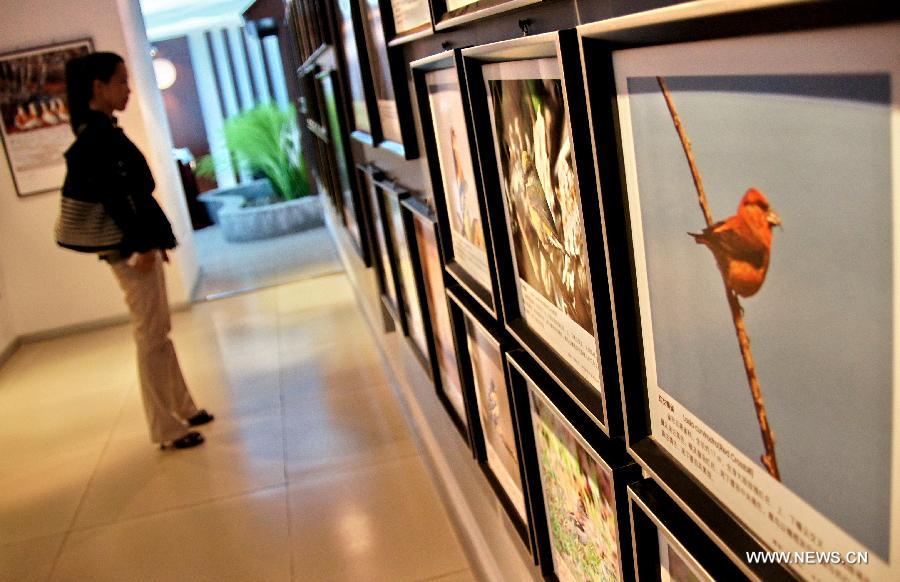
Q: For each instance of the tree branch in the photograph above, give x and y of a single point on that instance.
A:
(768, 436)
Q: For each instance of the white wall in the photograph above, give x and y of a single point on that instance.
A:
(48, 287)
(7, 336)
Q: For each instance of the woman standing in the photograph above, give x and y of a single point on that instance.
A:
(108, 209)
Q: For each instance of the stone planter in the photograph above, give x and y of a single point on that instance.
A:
(239, 223)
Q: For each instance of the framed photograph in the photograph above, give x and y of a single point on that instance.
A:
(422, 224)
(552, 270)
(382, 244)
(668, 546)
(414, 214)
(456, 177)
(311, 105)
(35, 114)
(577, 484)
(351, 42)
(452, 13)
(495, 435)
(389, 82)
(412, 20)
(342, 156)
(392, 195)
(767, 354)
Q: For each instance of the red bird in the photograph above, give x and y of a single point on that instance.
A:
(741, 243)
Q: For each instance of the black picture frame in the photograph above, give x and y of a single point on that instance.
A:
(312, 105)
(660, 531)
(415, 214)
(728, 530)
(309, 101)
(608, 455)
(487, 295)
(391, 198)
(468, 320)
(328, 85)
(34, 114)
(350, 43)
(401, 35)
(599, 398)
(389, 84)
(424, 237)
(382, 249)
(383, 238)
(448, 14)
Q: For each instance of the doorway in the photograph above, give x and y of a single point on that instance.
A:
(220, 64)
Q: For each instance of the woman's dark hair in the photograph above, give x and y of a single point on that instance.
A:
(81, 72)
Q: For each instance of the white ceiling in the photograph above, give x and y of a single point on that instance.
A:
(168, 18)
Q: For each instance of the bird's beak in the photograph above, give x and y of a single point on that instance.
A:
(773, 219)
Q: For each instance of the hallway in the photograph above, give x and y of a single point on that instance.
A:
(309, 471)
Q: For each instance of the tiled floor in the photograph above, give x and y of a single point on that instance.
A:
(309, 471)
(228, 267)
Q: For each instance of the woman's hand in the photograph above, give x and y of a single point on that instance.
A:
(143, 262)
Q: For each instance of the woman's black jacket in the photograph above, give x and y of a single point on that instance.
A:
(104, 166)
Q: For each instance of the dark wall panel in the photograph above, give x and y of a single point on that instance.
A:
(181, 99)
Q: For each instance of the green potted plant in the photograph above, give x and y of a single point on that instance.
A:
(266, 141)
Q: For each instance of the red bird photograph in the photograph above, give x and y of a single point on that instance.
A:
(742, 243)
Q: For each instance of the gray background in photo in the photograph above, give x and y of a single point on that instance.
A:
(821, 326)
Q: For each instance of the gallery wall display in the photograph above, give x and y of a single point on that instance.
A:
(412, 20)
(676, 233)
(768, 351)
(577, 483)
(425, 252)
(495, 436)
(668, 546)
(34, 114)
(388, 81)
(552, 270)
(451, 13)
(456, 176)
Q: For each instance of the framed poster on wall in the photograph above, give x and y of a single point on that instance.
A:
(552, 270)
(35, 116)
(382, 252)
(495, 435)
(365, 126)
(456, 176)
(324, 170)
(414, 213)
(423, 227)
(768, 353)
(576, 478)
(388, 75)
(338, 138)
(392, 196)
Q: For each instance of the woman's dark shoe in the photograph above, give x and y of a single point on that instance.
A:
(191, 439)
(201, 417)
